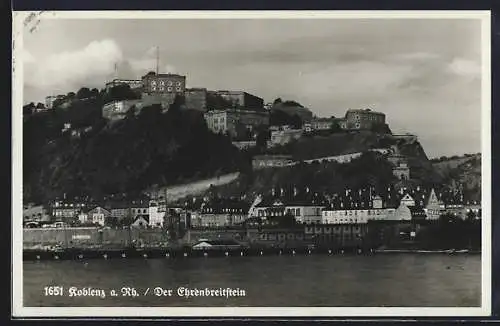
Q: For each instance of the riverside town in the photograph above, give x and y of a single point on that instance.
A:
(151, 168)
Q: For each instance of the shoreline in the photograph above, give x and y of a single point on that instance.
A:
(170, 253)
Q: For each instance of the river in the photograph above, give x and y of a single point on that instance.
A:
(390, 280)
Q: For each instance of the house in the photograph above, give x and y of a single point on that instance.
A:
(422, 202)
(322, 123)
(221, 212)
(217, 244)
(66, 210)
(305, 207)
(400, 169)
(141, 221)
(83, 218)
(139, 207)
(98, 215)
(156, 213)
(433, 208)
(358, 207)
(284, 136)
(117, 110)
(358, 119)
(304, 211)
(119, 210)
(236, 123)
(407, 200)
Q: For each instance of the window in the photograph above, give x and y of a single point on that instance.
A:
(178, 83)
(153, 82)
(153, 88)
(169, 83)
(162, 88)
(162, 83)
(169, 89)
(178, 89)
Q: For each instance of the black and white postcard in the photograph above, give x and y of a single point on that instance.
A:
(245, 163)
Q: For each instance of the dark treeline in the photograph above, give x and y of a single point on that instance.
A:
(130, 155)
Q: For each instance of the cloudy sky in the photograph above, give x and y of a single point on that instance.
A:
(423, 73)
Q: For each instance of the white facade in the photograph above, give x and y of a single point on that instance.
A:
(305, 214)
(357, 216)
(83, 218)
(49, 101)
(156, 218)
(284, 136)
(408, 200)
(98, 218)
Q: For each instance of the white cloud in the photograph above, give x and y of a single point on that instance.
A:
(464, 67)
(90, 66)
(69, 69)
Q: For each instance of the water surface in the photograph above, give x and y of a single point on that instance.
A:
(391, 280)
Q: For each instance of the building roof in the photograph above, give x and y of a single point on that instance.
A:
(363, 199)
(153, 74)
(142, 216)
(289, 198)
(222, 242)
(364, 111)
(272, 157)
(196, 89)
(118, 205)
(225, 205)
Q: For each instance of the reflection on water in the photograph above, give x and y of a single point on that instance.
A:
(381, 280)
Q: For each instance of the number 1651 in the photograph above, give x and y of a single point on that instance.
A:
(53, 290)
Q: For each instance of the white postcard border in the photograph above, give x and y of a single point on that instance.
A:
(18, 310)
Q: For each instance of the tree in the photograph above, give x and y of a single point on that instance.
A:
(215, 101)
(262, 138)
(70, 95)
(121, 92)
(292, 103)
(40, 106)
(335, 127)
(83, 92)
(277, 101)
(471, 216)
(28, 108)
(296, 122)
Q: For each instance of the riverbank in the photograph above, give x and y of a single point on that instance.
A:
(168, 253)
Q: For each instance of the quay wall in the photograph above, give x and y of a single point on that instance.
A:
(92, 237)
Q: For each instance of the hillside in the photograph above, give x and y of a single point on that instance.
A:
(311, 147)
(370, 168)
(328, 177)
(462, 170)
(127, 156)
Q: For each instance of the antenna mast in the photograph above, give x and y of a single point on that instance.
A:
(157, 58)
